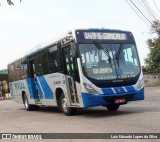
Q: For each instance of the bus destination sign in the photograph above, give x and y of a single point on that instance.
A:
(105, 36)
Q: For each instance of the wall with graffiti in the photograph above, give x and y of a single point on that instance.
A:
(152, 79)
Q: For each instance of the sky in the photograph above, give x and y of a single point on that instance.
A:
(32, 22)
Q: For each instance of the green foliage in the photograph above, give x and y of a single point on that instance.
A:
(153, 59)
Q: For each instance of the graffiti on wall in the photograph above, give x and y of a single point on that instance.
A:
(152, 79)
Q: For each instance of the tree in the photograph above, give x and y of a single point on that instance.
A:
(153, 58)
(10, 2)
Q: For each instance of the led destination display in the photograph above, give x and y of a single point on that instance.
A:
(105, 36)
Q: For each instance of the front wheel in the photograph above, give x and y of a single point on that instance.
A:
(113, 107)
(68, 111)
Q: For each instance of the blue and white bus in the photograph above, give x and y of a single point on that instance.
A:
(84, 68)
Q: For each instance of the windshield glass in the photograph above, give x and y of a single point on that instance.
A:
(110, 61)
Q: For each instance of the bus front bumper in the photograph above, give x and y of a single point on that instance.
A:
(90, 100)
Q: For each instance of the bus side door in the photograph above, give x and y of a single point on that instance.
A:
(69, 67)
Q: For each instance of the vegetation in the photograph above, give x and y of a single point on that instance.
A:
(10, 2)
(153, 59)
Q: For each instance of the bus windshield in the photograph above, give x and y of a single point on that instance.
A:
(109, 61)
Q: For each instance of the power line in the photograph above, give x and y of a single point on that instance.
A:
(156, 5)
(145, 9)
(140, 12)
(150, 9)
(153, 11)
(142, 18)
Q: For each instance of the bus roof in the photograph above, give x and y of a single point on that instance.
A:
(69, 33)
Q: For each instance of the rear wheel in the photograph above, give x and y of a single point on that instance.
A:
(64, 106)
(113, 107)
(27, 105)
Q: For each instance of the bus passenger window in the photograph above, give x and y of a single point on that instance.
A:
(54, 60)
(41, 64)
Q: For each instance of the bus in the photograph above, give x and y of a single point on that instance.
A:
(83, 68)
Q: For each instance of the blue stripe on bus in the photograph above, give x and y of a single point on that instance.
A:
(118, 90)
(130, 88)
(39, 90)
(32, 88)
(47, 90)
(107, 91)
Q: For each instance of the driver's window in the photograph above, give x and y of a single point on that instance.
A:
(129, 55)
(89, 55)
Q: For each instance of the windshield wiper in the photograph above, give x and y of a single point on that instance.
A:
(118, 54)
(100, 47)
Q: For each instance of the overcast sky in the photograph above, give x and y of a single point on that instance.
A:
(32, 22)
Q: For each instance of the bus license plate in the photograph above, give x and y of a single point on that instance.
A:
(118, 101)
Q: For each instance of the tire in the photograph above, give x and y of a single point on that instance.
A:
(113, 107)
(68, 111)
(27, 105)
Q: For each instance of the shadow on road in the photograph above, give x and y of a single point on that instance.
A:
(100, 111)
(103, 113)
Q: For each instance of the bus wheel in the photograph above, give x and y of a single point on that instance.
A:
(27, 105)
(68, 111)
(113, 107)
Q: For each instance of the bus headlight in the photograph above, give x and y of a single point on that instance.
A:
(140, 84)
(90, 89)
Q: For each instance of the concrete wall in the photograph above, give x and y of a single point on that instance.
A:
(151, 80)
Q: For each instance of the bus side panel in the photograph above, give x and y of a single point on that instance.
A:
(32, 88)
(139, 95)
(47, 85)
(27, 86)
(46, 88)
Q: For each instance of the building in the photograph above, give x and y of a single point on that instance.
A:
(4, 82)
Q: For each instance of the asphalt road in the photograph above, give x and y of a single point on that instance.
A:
(135, 117)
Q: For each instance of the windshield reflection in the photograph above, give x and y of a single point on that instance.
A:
(109, 61)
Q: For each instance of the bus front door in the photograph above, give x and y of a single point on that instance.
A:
(69, 66)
